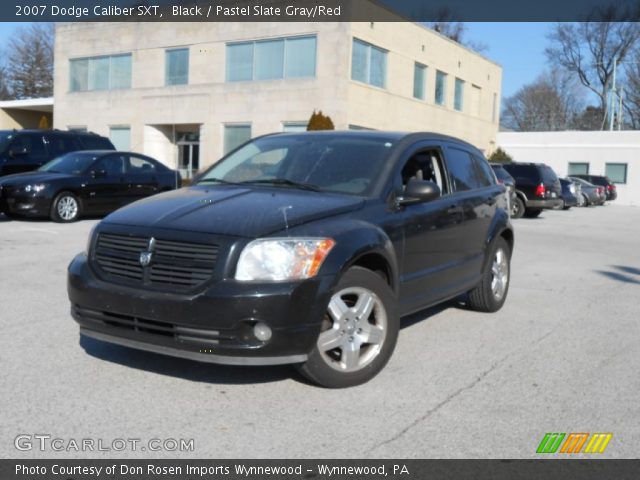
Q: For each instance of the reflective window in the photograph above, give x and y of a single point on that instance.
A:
(419, 76)
(100, 73)
(368, 64)
(458, 95)
(617, 172)
(177, 67)
(441, 88)
(235, 135)
(576, 168)
(121, 138)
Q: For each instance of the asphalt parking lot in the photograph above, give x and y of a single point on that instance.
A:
(561, 356)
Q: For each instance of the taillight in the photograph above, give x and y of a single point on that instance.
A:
(540, 190)
(600, 189)
(611, 187)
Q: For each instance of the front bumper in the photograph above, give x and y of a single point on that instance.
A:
(214, 325)
(32, 205)
(545, 203)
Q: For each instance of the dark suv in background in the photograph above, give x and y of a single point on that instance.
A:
(601, 181)
(537, 188)
(26, 150)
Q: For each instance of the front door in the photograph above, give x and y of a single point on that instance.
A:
(107, 188)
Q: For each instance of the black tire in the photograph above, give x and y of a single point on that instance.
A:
(487, 297)
(517, 209)
(63, 210)
(342, 327)
(586, 201)
(532, 212)
(566, 208)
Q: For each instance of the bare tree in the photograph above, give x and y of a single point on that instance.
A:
(631, 94)
(590, 49)
(550, 103)
(5, 94)
(444, 24)
(29, 66)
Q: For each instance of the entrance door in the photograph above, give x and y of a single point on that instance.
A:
(188, 154)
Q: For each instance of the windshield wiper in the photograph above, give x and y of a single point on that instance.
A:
(285, 182)
(216, 180)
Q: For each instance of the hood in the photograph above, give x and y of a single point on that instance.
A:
(230, 210)
(33, 177)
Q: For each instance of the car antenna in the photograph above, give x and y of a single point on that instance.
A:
(284, 214)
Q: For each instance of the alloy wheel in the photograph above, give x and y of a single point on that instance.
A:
(499, 274)
(67, 208)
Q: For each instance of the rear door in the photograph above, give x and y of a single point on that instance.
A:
(28, 153)
(142, 177)
(107, 185)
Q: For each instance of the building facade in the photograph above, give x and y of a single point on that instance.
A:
(186, 93)
(615, 154)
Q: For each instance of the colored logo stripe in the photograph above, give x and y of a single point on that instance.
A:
(598, 443)
(574, 442)
(550, 443)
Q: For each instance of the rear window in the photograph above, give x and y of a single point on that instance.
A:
(501, 173)
(548, 175)
(518, 170)
(96, 142)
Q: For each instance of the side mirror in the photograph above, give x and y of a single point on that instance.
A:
(17, 151)
(419, 191)
(98, 173)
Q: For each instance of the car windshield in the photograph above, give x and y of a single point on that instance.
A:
(5, 138)
(73, 163)
(347, 164)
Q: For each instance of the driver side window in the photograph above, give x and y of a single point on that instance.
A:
(425, 165)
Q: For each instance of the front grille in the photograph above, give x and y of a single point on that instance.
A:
(202, 337)
(174, 264)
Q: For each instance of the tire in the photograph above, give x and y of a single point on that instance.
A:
(586, 201)
(65, 208)
(359, 292)
(532, 212)
(490, 294)
(517, 209)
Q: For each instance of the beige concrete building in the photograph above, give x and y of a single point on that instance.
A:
(186, 93)
(31, 113)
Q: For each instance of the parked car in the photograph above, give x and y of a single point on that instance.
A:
(592, 194)
(569, 194)
(507, 180)
(602, 181)
(537, 188)
(85, 182)
(299, 248)
(26, 150)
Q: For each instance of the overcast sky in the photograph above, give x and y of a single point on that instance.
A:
(518, 47)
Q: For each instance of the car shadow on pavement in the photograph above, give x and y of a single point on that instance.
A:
(423, 315)
(630, 275)
(183, 368)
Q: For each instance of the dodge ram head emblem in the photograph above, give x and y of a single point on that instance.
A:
(145, 257)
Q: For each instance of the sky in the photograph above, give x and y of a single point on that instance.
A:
(518, 47)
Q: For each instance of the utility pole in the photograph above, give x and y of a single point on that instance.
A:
(620, 108)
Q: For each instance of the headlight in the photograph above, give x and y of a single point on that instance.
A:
(35, 188)
(281, 259)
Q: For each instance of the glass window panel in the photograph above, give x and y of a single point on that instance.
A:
(239, 62)
(235, 135)
(300, 59)
(458, 95)
(177, 67)
(617, 172)
(378, 74)
(79, 75)
(360, 61)
(294, 127)
(268, 60)
(99, 73)
(121, 138)
(120, 71)
(419, 80)
(441, 88)
(578, 168)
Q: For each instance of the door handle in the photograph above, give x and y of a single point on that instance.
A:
(454, 209)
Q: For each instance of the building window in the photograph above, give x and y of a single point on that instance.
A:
(235, 135)
(441, 88)
(578, 168)
(419, 75)
(176, 66)
(294, 126)
(368, 64)
(100, 73)
(617, 172)
(293, 57)
(458, 95)
(121, 138)
(76, 128)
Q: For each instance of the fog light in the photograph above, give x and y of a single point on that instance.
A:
(262, 332)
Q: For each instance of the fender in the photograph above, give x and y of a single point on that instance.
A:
(522, 194)
(500, 226)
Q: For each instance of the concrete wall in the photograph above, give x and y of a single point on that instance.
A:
(558, 149)
(11, 118)
(211, 102)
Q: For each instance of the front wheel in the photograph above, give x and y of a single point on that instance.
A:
(517, 209)
(532, 212)
(490, 294)
(358, 333)
(65, 208)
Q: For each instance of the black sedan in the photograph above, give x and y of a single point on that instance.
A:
(86, 182)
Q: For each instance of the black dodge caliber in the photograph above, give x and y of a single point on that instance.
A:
(301, 248)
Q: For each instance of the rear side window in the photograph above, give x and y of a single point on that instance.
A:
(486, 177)
(61, 144)
(95, 142)
(548, 175)
(465, 171)
(32, 143)
(139, 165)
